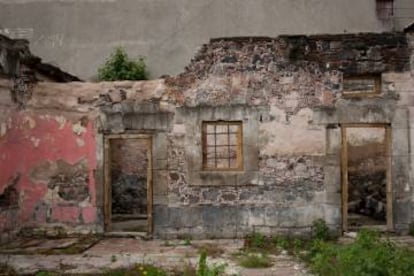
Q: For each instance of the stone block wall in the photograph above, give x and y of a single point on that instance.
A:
(288, 94)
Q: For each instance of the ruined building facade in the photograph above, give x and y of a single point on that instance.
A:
(168, 33)
(257, 134)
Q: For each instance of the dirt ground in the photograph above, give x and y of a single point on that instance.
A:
(89, 255)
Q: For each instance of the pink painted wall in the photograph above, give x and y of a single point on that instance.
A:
(32, 139)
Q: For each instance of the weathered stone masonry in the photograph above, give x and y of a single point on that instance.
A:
(286, 91)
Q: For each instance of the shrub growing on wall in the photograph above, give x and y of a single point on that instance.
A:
(119, 67)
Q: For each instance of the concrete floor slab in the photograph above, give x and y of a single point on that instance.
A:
(112, 253)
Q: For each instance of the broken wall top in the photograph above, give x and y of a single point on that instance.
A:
(237, 71)
(409, 28)
(352, 54)
(16, 57)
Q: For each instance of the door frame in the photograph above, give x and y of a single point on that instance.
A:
(107, 178)
(344, 171)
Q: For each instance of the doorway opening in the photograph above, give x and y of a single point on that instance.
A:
(128, 183)
(366, 177)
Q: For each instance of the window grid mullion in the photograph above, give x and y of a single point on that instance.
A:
(215, 146)
(222, 153)
(228, 145)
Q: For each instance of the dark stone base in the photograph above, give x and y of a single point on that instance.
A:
(209, 222)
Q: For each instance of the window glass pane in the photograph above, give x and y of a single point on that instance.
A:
(222, 128)
(234, 128)
(233, 139)
(222, 163)
(233, 163)
(233, 152)
(210, 128)
(210, 163)
(222, 139)
(222, 152)
(221, 148)
(210, 153)
(210, 141)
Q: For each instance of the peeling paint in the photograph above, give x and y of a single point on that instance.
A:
(179, 128)
(29, 122)
(78, 129)
(9, 123)
(51, 195)
(41, 172)
(80, 142)
(289, 102)
(54, 141)
(282, 136)
(35, 141)
(61, 121)
(3, 129)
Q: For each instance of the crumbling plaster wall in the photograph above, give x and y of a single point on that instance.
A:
(48, 154)
(51, 151)
(287, 91)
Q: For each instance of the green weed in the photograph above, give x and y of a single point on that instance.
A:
(283, 242)
(119, 67)
(113, 258)
(204, 269)
(297, 246)
(137, 270)
(187, 241)
(320, 230)
(258, 240)
(255, 260)
(46, 273)
(368, 255)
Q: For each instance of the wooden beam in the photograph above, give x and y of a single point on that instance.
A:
(344, 178)
(149, 187)
(107, 185)
(388, 156)
(128, 136)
